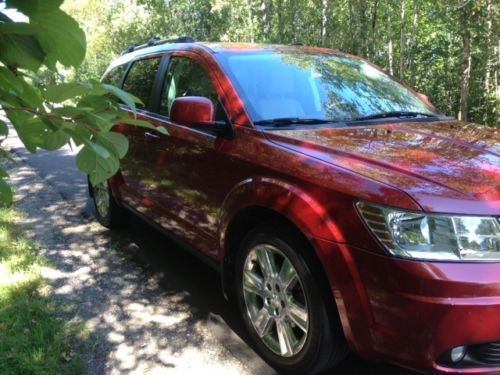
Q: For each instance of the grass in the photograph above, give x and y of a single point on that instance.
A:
(33, 338)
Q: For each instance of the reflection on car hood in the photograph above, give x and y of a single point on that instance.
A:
(440, 164)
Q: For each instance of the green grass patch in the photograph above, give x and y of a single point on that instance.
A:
(33, 339)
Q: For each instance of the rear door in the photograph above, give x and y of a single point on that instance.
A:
(139, 81)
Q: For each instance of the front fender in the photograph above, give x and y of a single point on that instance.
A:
(314, 221)
(285, 199)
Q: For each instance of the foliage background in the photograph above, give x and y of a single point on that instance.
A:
(449, 50)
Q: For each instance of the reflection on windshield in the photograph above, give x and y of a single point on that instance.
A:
(331, 87)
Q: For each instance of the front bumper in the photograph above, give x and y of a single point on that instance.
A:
(411, 312)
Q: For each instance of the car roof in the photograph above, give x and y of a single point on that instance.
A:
(217, 48)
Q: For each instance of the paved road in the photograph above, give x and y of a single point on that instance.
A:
(146, 248)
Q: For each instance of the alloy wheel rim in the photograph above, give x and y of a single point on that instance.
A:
(275, 300)
(102, 199)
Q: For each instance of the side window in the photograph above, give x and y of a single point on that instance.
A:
(140, 79)
(114, 76)
(186, 77)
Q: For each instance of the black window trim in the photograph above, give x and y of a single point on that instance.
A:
(161, 75)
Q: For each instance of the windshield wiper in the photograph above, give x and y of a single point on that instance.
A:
(398, 114)
(285, 121)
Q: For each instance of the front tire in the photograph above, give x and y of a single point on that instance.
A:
(281, 304)
(107, 212)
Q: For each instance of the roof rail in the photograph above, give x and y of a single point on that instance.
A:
(296, 44)
(154, 41)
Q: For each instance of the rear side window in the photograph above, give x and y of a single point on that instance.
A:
(140, 79)
(114, 76)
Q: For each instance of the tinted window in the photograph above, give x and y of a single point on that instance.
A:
(114, 76)
(185, 77)
(330, 87)
(140, 79)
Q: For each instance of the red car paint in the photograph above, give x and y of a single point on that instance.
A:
(407, 312)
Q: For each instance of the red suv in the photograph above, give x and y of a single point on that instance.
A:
(342, 209)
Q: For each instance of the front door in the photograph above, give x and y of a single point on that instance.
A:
(190, 182)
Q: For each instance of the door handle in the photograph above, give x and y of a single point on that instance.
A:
(152, 135)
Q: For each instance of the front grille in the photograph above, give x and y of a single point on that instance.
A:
(486, 353)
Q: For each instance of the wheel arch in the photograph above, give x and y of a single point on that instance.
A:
(259, 200)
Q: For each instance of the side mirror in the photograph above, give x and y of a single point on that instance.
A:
(424, 98)
(193, 110)
(199, 112)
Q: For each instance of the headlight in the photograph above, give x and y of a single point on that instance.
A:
(419, 235)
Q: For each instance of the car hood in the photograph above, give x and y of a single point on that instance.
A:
(446, 166)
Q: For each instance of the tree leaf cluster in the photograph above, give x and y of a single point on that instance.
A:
(418, 41)
(48, 114)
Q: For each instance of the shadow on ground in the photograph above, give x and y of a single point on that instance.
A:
(179, 272)
(150, 304)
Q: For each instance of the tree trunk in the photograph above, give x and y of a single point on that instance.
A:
(496, 75)
(389, 35)
(413, 42)
(402, 42)
(362, 24)
(266, 18)
(281, 15)
(352, 28)
(373, 37)
(324, 20)
(489, 23)
(466, 67)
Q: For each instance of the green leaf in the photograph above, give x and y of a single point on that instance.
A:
(31, 95)
(5, 192)
(97, 167)
(9, 80)
(70, 111)
(125, 97)
(54, 140)
(22, 51)
(114, 142)
(17, 117)
(162, 130)
(4, 129)
(5, 154)
(60, 37)
(64, 91)
(32, 133)
(97, 148)
(126, 119)
(20, 28)
(79, 134)
(31, 7)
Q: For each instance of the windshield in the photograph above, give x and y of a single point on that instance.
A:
(316, 86)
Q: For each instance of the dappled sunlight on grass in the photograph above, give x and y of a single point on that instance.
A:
(33, 339)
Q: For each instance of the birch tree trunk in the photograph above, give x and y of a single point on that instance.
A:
(413, 41)
(466, 68)
(489, 24)
(402, 42)
(324, 20)
(266, 18)
(389, 42)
